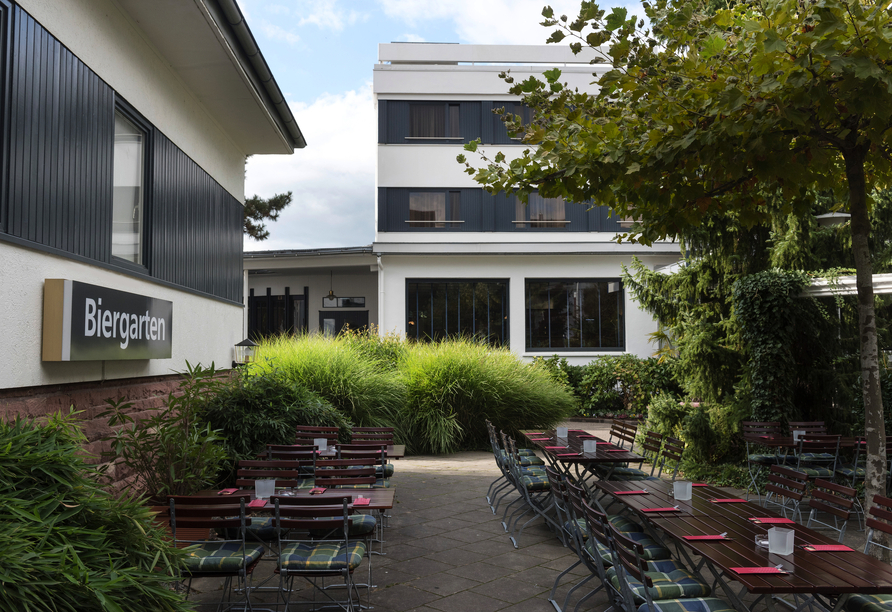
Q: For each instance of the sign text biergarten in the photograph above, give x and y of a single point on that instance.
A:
(83, 322)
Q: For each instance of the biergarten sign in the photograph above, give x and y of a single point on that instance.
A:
(83, 322)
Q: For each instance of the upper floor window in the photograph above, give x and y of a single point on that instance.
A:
(540, 212)
(435, 121)
(434, 209)
(129, 190)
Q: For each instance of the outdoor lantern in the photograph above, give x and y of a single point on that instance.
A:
(331, 295)
(244, 352)
(833, 218)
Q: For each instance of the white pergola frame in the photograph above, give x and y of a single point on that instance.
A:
(845, 285)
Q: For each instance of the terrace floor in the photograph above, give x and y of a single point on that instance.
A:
(447, 552)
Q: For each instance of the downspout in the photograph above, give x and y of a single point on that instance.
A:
(380, 296)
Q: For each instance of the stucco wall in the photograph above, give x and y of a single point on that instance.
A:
(98, 33)
(203, 330)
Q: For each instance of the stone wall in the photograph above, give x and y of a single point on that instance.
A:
(147, 395)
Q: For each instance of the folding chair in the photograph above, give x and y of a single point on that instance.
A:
(624, 432)
(817, 455)
(312, 559)
(372, 434)
(229, 558)
(853, 471)
(836, 500)
(785, 489)
(534, 493)
(673, 450)
(756, 461)
(501, 482)
(345, 473)
(569, 533)
(369, 450)
(880, 519)
(306, 434)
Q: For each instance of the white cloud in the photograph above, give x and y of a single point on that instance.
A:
(412, 38)
(327, 15)
(493, 22)
(275, 32)
(332, 179)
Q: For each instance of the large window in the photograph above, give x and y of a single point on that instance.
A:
(540, 212)
(434, 209)
(435, 121)
(129, 190)
(574, 314)
(440, 309)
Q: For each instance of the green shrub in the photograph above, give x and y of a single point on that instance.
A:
(453, 385)
(67, 544)
(173, 452)
(253, 411)
(624, 383)
(361, 386)
(388, 350)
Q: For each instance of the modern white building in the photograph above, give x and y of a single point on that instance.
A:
(449, 258)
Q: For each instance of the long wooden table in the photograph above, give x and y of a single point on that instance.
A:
(379, 499)
(828, 576)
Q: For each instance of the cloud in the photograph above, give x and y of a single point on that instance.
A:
(332, 179)
(412, 38)
(275, 32)
(327, 15)
(494, 22)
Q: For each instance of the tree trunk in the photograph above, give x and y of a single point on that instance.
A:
(874, 423)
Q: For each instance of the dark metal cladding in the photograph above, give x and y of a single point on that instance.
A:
(59, 176)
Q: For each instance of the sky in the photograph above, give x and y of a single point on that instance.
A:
(321, 53)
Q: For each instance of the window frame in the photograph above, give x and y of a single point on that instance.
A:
(527, 224)
(141, 123)
(620, 323)
(448, 223)
(5, 75)
(426, 337)
(447, 122)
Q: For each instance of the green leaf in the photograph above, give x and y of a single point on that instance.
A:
(552, 75)
(712, 46)
(773, 43)
(615, 19)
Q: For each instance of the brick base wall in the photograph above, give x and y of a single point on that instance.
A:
(147, 395)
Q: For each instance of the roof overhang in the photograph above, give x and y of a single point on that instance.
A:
(210, 47)
(845, 285)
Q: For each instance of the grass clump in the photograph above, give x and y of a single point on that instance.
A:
(453, 385)
(354, 381)
(67, 544)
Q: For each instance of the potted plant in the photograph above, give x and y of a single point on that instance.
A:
(173, 452)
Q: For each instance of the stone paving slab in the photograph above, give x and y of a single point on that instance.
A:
(447, 552)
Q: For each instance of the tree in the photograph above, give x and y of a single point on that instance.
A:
(258, 209)
(706, 112)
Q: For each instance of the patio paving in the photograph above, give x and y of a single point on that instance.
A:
(447, 552)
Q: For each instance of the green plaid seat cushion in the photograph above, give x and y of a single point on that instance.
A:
(385, 471)
(261, 530)
(667, 585)
(537, 470)
(653, 551)
(816, 457)
(221, 556)
(763, 458)
(695, 604)
(850, 470)
(321, 556)
(815, 471)
(360, 525)
(524, 459)
(869, 603)
(526, 452)
(624, 524)
(658, 565)
(535, 482)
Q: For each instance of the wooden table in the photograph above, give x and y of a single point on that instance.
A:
(827, 575)
(380, 499)
(573, 458)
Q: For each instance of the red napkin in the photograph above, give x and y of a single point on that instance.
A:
(827, 547)
(757, 570)
(554, 447)
(317, 490)
(660, 510)
(699, 484)
(361, 501)
(638, 492)
(705, 537)
(227, 491)
(729, 500)
(610, 443)
(770, 520)
(258, 503)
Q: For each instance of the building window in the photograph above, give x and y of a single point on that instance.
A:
(435, 121)
(434, 209)
(129, 190)
(540, 212)
(442, 309)
(574, 314)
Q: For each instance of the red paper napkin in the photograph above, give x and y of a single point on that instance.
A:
(257, 503)
(361, 501)
(757, 570)
(227, 491)
(639, 492)
(705, 537)
(827, 547)
(610, 443)
(766, 520)
(317, 490)
(660, 510)
(728, 500)
(699, 484)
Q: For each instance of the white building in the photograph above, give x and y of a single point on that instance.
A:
(451, 258)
